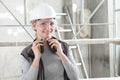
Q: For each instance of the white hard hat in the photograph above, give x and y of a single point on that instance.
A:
(42, 11)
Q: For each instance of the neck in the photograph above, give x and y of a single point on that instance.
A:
(45, 44)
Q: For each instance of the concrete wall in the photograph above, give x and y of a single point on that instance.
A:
(73, 6)
(104, 58)
(96, 56)
(99, 53)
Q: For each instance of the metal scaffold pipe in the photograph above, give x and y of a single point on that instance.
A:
(16, 19)
(70, 42)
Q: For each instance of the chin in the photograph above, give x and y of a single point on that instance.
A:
(48, 36)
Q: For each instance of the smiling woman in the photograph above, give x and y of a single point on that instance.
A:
(101, 58)
(45, 27)
(47, 58)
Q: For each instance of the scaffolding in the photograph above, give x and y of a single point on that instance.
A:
(114, 40)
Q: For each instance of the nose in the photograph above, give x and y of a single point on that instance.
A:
(48, 27)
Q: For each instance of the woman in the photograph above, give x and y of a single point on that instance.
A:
(47, 58)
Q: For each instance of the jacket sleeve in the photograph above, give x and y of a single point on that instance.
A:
(71, 68)
(29, 72)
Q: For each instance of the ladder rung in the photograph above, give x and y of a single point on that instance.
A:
(61, 14)
(78, 64)
(73, 47)
(65, 30)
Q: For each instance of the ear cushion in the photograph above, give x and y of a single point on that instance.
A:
(51, 49)
(41, 48)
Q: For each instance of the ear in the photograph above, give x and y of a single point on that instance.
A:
(33, 25)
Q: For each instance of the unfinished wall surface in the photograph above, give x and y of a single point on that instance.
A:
(96, 56)
(99, 53)
(73, 5)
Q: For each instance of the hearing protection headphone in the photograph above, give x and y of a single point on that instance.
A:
(41, 47)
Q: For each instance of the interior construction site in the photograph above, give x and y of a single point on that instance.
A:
(90, 27)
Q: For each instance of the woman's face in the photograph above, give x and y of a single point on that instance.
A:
(45, 28)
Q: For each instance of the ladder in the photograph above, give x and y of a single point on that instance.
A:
(76, 46)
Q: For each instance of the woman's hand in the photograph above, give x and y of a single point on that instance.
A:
(56, 44)
(35, 49)
(36, 52)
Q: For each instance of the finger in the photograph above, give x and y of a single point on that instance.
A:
(52, 41)
(38, 42)
(54, 46)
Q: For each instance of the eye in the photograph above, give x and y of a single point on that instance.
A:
(43, 23)
(52, 23)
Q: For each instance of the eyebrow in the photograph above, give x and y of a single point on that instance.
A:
(48, 21)
(37, 20)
